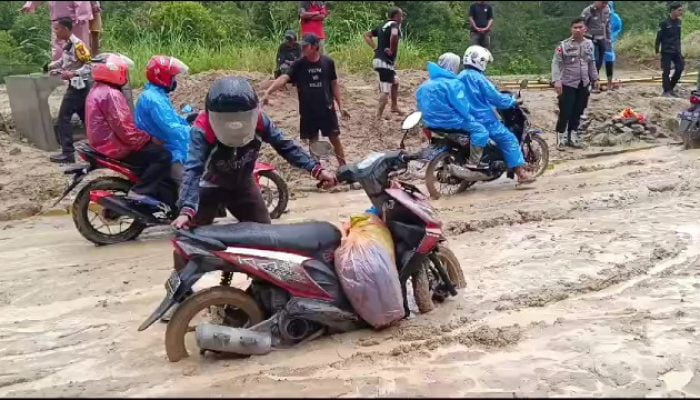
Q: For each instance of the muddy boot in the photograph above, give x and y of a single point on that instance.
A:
(562, 139)
(575, 140)
(474, 161)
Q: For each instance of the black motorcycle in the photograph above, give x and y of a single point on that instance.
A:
(449, 152)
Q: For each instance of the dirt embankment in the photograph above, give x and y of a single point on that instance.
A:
(29, 183)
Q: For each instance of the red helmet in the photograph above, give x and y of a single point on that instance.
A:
(112, 68)
(162, 70)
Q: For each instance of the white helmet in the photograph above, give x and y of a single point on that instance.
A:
(477, 57)
(449, 61)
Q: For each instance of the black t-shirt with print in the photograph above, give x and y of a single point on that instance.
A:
(481, 13)
(313, 82)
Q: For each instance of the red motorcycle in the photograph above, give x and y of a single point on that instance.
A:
(103, 214)
(295, 295)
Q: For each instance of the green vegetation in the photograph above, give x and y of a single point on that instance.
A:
(245, 35)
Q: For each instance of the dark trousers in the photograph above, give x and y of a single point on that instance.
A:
(153, 161)
(600, 48)
(73, 103)
(572, 103)
(678, 64)
(609, 69)
(245, 203)
(481, 39)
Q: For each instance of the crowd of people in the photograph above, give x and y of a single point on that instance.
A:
(212, 159)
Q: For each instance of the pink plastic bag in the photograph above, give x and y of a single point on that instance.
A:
(366, 267)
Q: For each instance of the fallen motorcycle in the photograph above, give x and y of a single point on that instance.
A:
(449, 151)
(689, 122)
(294, 294)
(104, 215)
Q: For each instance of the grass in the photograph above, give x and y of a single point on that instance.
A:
(259, 56)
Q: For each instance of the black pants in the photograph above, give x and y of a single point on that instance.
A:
(73, 103)
(153, 161)
(600, 48)
(678, 64)
(572, 104)
(245, 203)
(609, 69)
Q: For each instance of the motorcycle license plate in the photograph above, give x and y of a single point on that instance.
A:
(172, 284)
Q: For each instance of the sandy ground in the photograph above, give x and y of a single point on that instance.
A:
(586, 284)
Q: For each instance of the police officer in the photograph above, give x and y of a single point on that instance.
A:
(573, 72)
(74, 68)
(597, 20)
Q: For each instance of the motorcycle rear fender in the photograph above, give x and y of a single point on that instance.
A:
(79, 172)
(188, 277)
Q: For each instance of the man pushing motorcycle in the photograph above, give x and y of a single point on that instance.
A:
(225, 143)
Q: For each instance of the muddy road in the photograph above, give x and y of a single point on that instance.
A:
(588, 284)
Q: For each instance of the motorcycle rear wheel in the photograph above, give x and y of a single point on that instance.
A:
(81, 208)
(281, 194)
(179, 324)
(434, 183)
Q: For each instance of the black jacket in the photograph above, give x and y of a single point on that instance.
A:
(669, 36)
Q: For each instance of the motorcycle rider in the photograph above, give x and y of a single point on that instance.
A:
(155, 114)
(482, 97)
(442, 100)
(111, 130)
(225, 143)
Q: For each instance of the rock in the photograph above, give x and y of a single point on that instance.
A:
(637, 128)
(627, 129)
(15, 150)
(660, 134)
(652, 129)
(660, 187)
(626, 137)
(619, 125)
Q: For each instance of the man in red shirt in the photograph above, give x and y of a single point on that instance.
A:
(313, 15)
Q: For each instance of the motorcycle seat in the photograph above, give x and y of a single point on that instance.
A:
(307, 238)
(85, 148)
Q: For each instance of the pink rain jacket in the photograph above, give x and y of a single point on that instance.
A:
(110, 125)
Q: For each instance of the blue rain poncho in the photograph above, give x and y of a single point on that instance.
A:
(442, 100)
(155, 115)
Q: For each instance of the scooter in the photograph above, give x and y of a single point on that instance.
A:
(104, 215)
(295, 295)
(689, 122)
(449, 151)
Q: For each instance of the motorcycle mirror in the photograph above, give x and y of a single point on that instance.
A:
(412, 120)
(321, 148)
(524, 83)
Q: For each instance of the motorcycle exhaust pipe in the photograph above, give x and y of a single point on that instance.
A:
(118, 207)
(467, 174)
(233, 340)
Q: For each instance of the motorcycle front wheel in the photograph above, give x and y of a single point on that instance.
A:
(426, 279)
(225, 306)
(438, 180)
(536, 154)
(275, 193)
(98, 224)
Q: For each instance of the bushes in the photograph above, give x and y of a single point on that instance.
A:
(186, 19)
